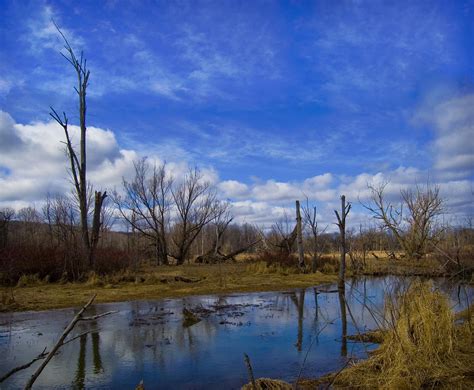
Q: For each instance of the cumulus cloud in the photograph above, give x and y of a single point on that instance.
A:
(33, 162)
(233, 189)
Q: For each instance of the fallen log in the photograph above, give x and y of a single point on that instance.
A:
(214, 258)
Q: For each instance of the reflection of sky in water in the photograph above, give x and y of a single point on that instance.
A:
(146, 340)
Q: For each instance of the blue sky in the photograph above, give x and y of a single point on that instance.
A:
(271, 99)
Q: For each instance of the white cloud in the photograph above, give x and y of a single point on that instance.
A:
(453, 123)
(43, 34)
(233, 189)
(33, 162)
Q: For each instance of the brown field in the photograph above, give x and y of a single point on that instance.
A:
(155, 283)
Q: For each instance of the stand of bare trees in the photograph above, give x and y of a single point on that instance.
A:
(171, 214)
(413, 221)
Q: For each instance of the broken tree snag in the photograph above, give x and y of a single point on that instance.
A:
(78, 317)
(299, 239)
(341, 223)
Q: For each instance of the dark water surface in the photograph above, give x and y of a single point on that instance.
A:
(146, 339)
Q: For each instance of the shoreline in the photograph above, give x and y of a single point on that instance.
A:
(234, 279)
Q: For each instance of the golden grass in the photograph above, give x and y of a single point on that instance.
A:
(157, 282)
(384, 265)
(422, 349)
(268, 384)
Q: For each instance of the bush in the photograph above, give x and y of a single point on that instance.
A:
(29, 280)
(41, 261)
(110, 260)
(260, 267)
(278, 258)
(53, 264)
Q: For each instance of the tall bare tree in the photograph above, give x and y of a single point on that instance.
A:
(196, 205)
(78, 164)
(341, 223)
(299, 237)
(146, 205)
(413, 220)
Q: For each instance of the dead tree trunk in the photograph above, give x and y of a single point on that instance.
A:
(299, 239)
(78, 165)
(341, 223)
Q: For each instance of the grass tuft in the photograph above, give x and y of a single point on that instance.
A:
(423, 348)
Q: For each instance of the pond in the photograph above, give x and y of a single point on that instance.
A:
(285, 334)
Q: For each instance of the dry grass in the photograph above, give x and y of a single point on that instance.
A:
(158, 282)
(268, 384)
(386, 266)
(422, 349)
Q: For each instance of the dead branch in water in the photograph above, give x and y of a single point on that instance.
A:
(250, 371)
(78, 317)
(42, 355)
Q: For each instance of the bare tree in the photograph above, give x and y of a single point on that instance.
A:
(341, 223)
(6, 215)
(61, 217)
(311, 221)
(282, 235)
(31, 224)
(221, 223)
(412, 222)
(78, 165)
(299, 237)
(146, 205)
(196, 206)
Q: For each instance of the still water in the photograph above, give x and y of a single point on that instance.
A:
(282, 332)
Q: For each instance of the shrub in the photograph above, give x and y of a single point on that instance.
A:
(279, 258)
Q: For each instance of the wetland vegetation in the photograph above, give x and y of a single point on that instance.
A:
(160, 281)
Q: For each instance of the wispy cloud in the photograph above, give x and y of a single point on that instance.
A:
(43, 35)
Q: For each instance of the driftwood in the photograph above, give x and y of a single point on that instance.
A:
(78, 317)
